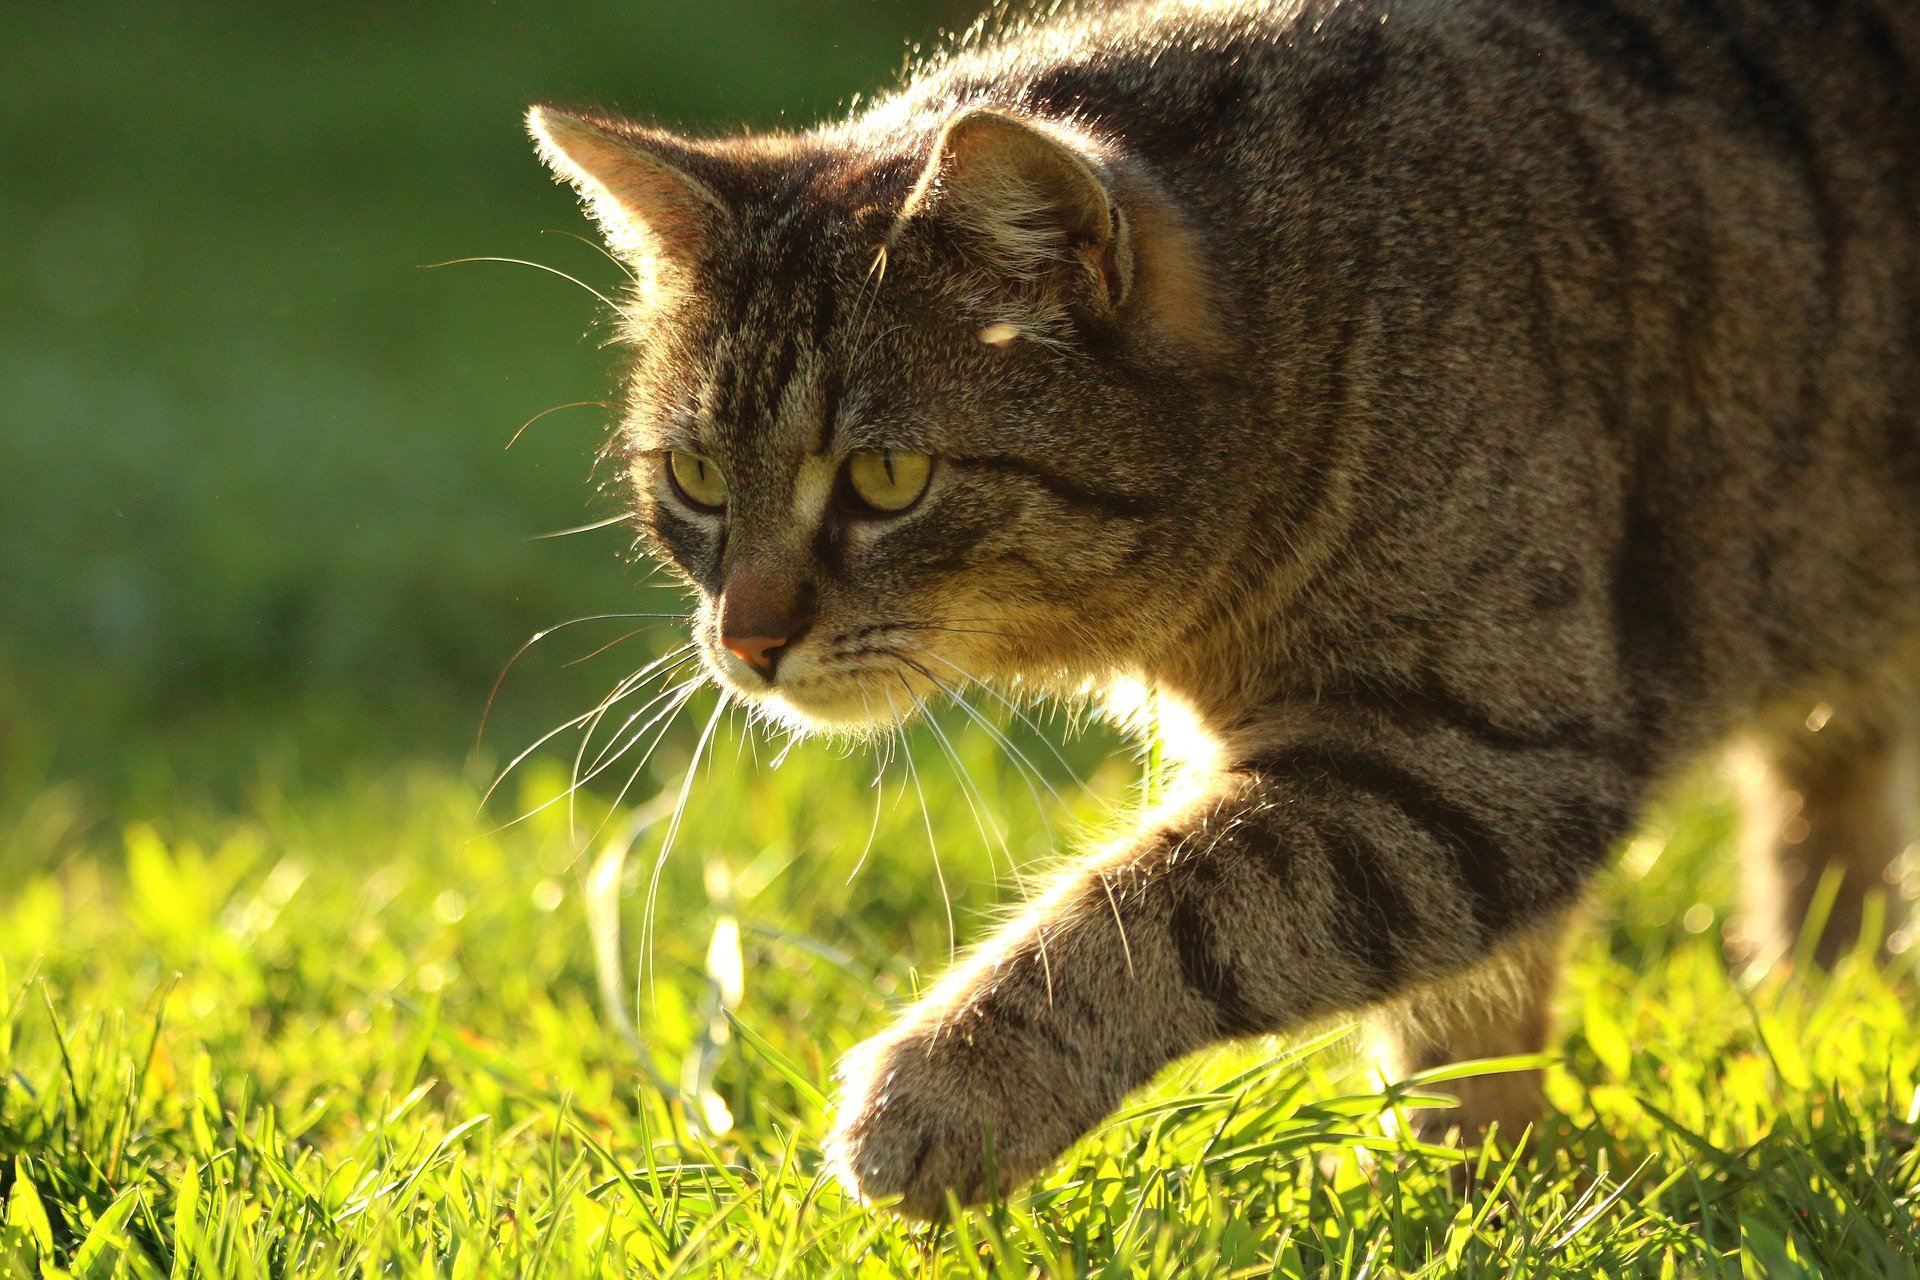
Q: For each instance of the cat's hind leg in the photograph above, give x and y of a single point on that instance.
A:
(1833, 792)
(1501, 1008)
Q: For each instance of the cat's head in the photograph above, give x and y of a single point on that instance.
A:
(910, 406)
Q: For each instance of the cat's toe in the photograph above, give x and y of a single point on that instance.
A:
(898, 1127)
(921, 1116)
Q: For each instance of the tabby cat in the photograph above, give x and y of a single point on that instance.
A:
(1465, 413)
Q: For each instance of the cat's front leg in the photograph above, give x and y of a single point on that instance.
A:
(1318, 879)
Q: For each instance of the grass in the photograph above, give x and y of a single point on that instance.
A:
(346, 1026)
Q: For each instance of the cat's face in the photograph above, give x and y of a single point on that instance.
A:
(885, 463)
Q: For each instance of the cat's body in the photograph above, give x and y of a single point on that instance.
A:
(1471, 411)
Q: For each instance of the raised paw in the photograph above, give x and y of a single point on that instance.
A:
(973, 1109)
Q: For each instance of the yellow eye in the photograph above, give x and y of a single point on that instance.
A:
(888, 480)
(698, 480)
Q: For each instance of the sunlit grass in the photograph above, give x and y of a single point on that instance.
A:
(358, 1028)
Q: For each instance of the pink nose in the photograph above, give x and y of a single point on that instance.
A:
(763, 613)
(762, 653)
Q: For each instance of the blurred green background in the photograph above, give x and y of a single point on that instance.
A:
(253, 471)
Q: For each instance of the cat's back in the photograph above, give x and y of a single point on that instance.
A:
(1242, 92)
(1214, 65)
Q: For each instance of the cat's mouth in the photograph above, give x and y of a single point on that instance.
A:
(841, 686)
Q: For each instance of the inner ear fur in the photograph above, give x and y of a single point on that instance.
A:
(1035, 201)
(653, 212)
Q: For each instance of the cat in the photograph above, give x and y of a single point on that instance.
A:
(1465, 413)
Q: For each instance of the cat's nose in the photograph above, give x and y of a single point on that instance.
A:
(762, 616)
(762, 653)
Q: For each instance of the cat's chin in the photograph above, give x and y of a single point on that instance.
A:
(829, 700)
(828, 712)
(828, 708)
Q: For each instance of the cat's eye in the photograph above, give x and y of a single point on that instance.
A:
(888, 480)
(698, 480)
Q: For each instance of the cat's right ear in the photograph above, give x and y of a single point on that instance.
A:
(654, 214)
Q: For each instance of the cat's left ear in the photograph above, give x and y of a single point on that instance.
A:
(1035, 202)
(652, 211)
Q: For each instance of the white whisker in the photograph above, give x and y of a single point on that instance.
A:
(538, 266)
(572, 404)
(970, 791)
(873, 828)
(663, 665)
(933, 845)
(620, 690)
(1022, 716)
(598, 248)
(622, 518)
(1023, 766)
(647, 968)
(535, 639)
(675, 696)
(690, 688)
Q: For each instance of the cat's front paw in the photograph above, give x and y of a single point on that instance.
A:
(928, 1110)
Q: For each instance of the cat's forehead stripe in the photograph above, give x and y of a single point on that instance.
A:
(773, 370)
